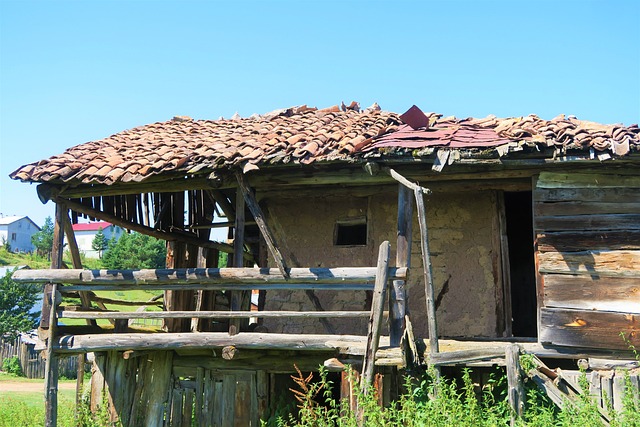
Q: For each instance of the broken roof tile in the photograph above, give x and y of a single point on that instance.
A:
(305, 135)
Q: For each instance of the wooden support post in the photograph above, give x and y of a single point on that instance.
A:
(254, 207)
(79, 381)
(428, 272)
(375, 321)
(201, 263)
(51, 368)
(397, 296)
(238, 261)
(516, 393)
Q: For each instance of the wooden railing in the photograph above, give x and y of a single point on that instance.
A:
(228, 279)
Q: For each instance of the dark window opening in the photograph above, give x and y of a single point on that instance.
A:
(351, 232)
(519, 215)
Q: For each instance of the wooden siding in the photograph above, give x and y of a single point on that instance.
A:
(587, 229)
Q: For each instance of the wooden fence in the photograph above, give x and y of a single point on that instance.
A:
(31, 361)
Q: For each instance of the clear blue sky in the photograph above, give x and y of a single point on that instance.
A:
(76, 71)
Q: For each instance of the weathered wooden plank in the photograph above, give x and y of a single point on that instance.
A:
(621, 294)
(586, 180)
(588, 240)
(202, 276)
(589, 329)
(207, 314)
(593, 195)
(585, 208)
(516, 394)
(605, 263)
(588, 222)
(375, 321)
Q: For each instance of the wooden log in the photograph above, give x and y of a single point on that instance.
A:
(259, 217)
(235, 298)
(588, 222)
(186, 341)
(52, 367)
(229, 352)
(375, 321)
(620, 294)
(593, 263)
(73, 314)
(463, 357)
(589, 329)
(398, 294)
(202, 276)
(428, 273)
(516, 393)
(591, 240)
(181, 236)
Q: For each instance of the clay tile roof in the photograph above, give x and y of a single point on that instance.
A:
(305, 135)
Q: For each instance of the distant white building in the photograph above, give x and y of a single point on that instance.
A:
(16, 231)
(85, 233)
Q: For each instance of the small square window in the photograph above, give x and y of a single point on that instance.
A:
(351, 232)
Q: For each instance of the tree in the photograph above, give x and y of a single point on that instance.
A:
(43, 239)
(135, 250)
(100, 242)
(16, 302)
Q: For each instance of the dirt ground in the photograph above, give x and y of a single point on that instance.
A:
(31, 386)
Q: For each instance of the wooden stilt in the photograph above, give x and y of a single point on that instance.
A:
(397, 295)
(238, 261)
(51, 373)
(516, 394)
(428, 271)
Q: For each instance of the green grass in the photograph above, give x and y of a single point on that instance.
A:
(32, 260)
(26, 409)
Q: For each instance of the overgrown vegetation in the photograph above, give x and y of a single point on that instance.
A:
(429, 402)
(43, 239)
(11, 365)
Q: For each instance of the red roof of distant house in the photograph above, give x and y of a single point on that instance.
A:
(91, 226)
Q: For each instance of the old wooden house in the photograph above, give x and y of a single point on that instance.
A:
(501, 231)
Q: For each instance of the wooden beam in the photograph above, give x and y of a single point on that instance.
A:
(206, 314)
(203, 276)
(191, 341)
(235, 299)
(223, 204)
(516, 394)
(375, 321)
(428, 272)
(254, 207)
(398, 294)
(181, 236)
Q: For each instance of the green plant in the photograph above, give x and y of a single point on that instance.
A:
(16, 302)
(12, 366)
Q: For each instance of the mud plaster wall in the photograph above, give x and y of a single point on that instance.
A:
(462, 254)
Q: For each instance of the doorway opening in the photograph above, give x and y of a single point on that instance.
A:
(519, 219)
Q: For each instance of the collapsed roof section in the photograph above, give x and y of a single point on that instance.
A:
(304, 135)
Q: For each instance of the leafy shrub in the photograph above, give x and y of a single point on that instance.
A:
(12, 366)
